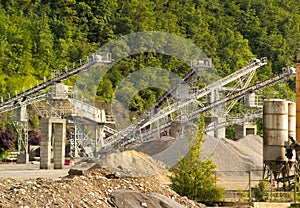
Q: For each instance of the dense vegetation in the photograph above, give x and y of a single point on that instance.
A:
(37, 36)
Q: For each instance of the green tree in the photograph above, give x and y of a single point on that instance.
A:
(105, 90)
(35, 122)
(37, 37)
(195, 176)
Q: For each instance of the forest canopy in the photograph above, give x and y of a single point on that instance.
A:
(38, 36)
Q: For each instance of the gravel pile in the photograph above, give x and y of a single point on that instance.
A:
(229, 156)
(242, 155)
(132, 163)
(172, 154)
(156, 146)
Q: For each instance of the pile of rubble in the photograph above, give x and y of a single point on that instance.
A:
(97, 187)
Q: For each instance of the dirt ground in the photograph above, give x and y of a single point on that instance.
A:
(30, 170)
(25, 185)
(128, 177)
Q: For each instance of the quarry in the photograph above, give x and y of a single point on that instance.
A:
(110, 167)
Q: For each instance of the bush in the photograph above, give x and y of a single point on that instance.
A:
(3, 154)
(7, 139)
(261, 191)
(195, 177)
(210, 195)
(33, 137)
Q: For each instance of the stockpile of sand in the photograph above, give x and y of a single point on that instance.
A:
(132, 163)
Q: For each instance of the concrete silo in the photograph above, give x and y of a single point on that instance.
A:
(278, 122)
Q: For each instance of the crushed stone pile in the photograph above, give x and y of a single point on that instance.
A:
(129, 177)
(96, 188)
(242, 155)
(172, 153)
(156, 146)
(132, 163)
(229, 156)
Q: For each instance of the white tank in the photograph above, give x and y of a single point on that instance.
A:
(275, 129)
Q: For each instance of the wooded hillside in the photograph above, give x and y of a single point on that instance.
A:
(37, 36)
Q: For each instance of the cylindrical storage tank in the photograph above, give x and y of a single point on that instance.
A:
(275, 129)
(292, 119)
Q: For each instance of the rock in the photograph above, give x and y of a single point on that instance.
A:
(92, 189)
(111, 176)
(144, 204)
(126, 198)
(76, 172)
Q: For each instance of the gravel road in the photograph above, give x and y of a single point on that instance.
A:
(26, 171)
